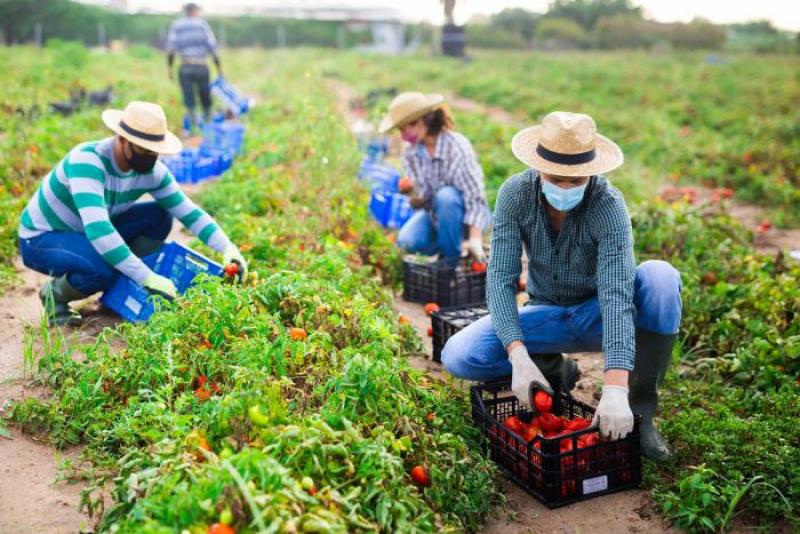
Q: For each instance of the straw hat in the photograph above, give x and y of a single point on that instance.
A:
(145, 125)
(408, 107)
(566, 144)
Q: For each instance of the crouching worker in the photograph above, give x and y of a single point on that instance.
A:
(447, 188)
(83, 225)
(586, 292)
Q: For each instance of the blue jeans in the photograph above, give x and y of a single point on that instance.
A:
(476, 353)
(71, 253)
(420, 235)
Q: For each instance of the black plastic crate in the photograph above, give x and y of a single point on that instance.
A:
(446, 323)
(556, 478)
(448, 282)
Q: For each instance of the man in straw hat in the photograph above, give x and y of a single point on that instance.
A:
(447, 179)
(586, 292)
(83, 224)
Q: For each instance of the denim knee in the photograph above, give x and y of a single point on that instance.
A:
(448, 197)
(89, 283)
(657, 296)
(454, 354)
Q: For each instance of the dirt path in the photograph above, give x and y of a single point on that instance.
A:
(629, 511)
(31, 500)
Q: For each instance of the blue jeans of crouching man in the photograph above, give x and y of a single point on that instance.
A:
(476, 353)
(421, 235)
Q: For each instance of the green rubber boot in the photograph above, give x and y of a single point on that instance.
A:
(653, 356)
(555, 367)
(56, 294)
(144, 246)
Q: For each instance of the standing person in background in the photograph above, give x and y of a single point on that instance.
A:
(447, 186)
(192, 38)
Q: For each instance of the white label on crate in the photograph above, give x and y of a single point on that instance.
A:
(593, 485)
(133, 305)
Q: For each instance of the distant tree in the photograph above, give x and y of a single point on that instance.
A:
(558, 33)
(763, 27)
(518, 21)
(588, 12)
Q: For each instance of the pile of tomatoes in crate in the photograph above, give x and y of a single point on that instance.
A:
(548, 425)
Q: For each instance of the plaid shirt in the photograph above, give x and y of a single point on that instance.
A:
(591, 256)
(454, 163)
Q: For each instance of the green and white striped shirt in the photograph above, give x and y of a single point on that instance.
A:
(87, 188)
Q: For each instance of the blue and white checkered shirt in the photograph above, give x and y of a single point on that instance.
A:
(591, 256)
(454, 163)
(192, 38)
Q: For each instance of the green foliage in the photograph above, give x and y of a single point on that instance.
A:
(587, 13)
(558, 32)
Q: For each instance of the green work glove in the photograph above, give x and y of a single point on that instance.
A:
(232, 255)
(159, 284)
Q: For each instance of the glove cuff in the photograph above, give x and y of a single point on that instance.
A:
(518, 353)
(616, 389)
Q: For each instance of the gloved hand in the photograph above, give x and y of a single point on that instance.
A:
(523, 372)
(475, 247)
(232, 254)
(159, 284)
(614, 413)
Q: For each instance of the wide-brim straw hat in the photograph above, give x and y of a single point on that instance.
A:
(566, 144)
(408, 107)
(144, 124)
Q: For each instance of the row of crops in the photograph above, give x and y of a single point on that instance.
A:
(289, 404)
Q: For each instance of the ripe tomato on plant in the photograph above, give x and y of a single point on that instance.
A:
(219, 528)
(297, 334)
(420, 475)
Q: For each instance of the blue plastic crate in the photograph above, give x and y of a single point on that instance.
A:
(205, 166)
(231, 98)
(375, 147)
(227, 136)
(181, 265)
(181, 165)
(379, 176)
(391, 210)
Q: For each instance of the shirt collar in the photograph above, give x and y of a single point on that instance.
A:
(422, 150)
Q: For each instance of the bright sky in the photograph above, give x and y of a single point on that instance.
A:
(784, 14)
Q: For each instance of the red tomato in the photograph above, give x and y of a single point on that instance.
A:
(405, 184)
(577, 424)
(543, 402)
(232, 269)
(297, 334)
(430, 331)
(567, 488)
(550, 422)
(202, 393)
(420, 475)
(513, 424)
(529, 432)
(219, 528)
(588, 440)
(478, 267)
(431, 307)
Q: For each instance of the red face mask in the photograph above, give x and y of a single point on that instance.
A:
(410, 137)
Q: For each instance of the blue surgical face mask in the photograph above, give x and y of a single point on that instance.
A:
(563, 199)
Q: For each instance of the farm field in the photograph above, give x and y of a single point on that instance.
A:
(219, 408)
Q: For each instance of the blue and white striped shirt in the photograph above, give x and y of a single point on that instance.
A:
(192, 38)
(591, 256)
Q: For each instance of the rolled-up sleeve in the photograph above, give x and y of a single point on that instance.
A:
(505, 266)
(616, 273)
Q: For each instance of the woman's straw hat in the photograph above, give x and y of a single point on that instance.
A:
(408, 107)
(566, 144)
(143, 124)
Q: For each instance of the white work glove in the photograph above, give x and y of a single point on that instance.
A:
(231, 255)
(523, 372)
(475, 247)
(614, 413)
(159, 284)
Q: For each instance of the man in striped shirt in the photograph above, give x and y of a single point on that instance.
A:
(84, 225)
(447, 179)
(586, 292)
(192, 38)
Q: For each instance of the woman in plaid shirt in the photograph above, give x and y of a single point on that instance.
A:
(586, 292)
(447, 187)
